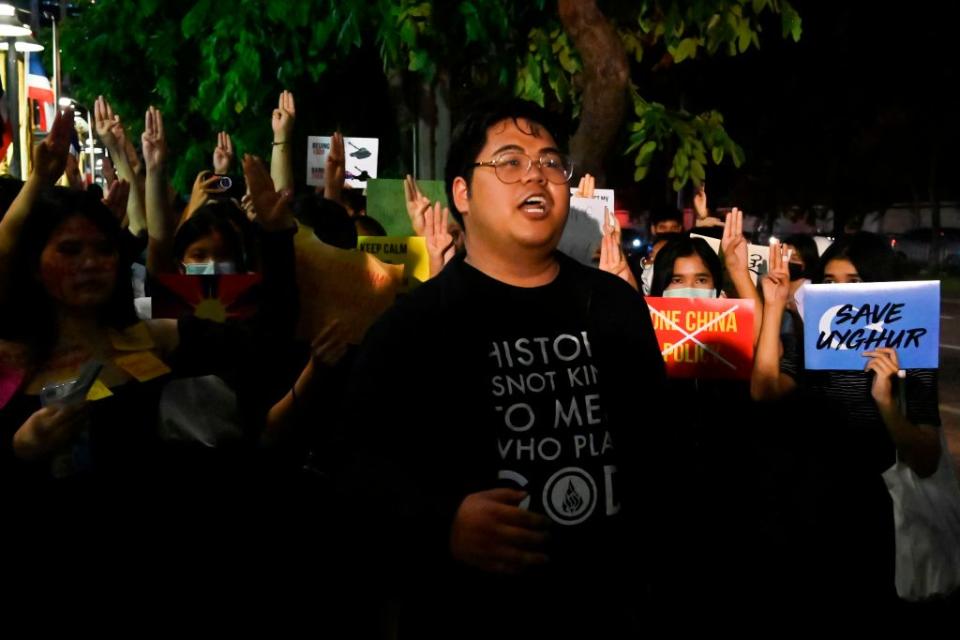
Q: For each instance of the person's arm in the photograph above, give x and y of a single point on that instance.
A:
(767, 381)
(49, 161)
(160, 226)
(281, 163)
(111, 132)
(917, 445)
(734, 247)
(327, 349)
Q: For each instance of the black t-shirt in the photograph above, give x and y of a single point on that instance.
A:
(469, 384)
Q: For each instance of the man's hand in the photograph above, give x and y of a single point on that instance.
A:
(283, 118)
(417, 205)
(153, 141)
(223, 154)
(271, 210)
(50, 156)
(109, 128)
(491, 532)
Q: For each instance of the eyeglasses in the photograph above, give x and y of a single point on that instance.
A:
(512, 166)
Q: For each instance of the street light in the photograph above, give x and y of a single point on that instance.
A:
(18, 38)
(10, 27)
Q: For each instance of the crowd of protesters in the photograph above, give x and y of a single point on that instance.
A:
(420, 472)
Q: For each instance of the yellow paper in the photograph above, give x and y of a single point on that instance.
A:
(135, 338)
(142, 365)
(98, 391)
(336, 284)
(410, 251)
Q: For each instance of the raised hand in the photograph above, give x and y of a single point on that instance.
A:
(439, 240)
(270, 208)
(586, 187)
(223, 154)
(733, 243)
(776, 284)
(335, 170)
(492, 532)
(153, 141)
(700, 201)
(108, 126)
(116, 198)
(417, 205)
(283, 118)
(72, 171)
(612, 258)
(50, 156)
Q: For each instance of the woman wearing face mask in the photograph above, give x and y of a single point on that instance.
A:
(849, 429)
(804, 257)
(713, 525)
(213, 240)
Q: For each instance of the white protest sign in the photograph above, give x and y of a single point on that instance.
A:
(758, 255)
(361, 160)
(603, 195)
(584, 229)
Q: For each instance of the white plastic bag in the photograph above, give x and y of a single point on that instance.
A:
(926, 514)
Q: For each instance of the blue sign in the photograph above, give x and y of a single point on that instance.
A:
(842, 321)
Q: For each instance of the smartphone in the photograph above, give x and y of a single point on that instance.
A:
(71, 392)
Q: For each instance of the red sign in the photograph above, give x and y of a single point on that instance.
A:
(704, 337)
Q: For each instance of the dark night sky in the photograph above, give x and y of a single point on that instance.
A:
(860, 113)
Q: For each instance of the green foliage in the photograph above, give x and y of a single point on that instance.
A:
(211, 65)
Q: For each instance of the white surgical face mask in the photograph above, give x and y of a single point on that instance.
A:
(208, 268)
(690, 292)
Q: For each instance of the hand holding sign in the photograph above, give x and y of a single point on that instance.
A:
(329, 346)
(492, 532)
(885, 366)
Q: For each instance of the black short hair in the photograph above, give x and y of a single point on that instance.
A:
(663, 213)
(470, 136)
(684, 247)
(806, 246)
(217, 216)
(367, 226)
(329, 220)
(35, 324)
(870, 254)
